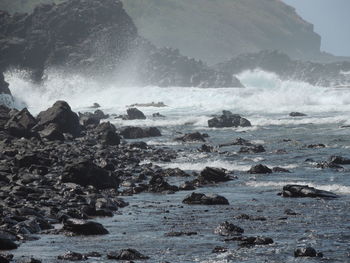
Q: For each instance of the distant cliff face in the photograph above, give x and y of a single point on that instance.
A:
(216, 30)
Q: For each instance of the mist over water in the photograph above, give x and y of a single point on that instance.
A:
(265, 94)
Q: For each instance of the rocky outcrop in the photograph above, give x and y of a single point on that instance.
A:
(96, 38)
(86, 228)
(330, 74)
(5, 93)
(228, 119)
(202, 199)
(138, 132)
(306, 191)
(60, 114)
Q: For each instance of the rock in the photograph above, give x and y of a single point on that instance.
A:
(20, 124)
(207, 148)
(52, 132)
(127, 254)
(157, 115)
(339, 160)
(72, 256)
(95, 106)
(332, 165)
(251, 218)
(219, 249)
(316, 146)
(228, 229)
(60, 114)
(30, 260)
(134, 114)
(191, 137)
(280, 170)
(5, 258)
(137, 132)
(252, 149)
(81, 227)
(187, 186)
(297, 114)
(4, 86)
(7, 242)
(177, 172)
(213, 175)
(179, 234)
(305, 191)
(110, 138)
(227, 119)
(4, 116)
(152, 104)
(105, 127)
(87, 173)
(202, 199)
(87, 120)
(260, 169)
(238, 141)
(157, 184)
(255, 241)
(306, 252)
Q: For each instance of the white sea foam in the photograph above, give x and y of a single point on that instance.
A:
(338, 188)
(265, 100)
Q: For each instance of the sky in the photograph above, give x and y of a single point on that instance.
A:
(331, 19)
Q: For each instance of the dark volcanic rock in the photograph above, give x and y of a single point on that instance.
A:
(110, 138)
(138, 132)
(280, 170)
(72, 256)
(297, 114)
(213, 175)
(87, 173)
(4, 116)
(179, 234)
(157, 184)
(6, 242)
(60, 114)
(252, 149)
(339, 160)
(238, 141)
(227, 119)
(4, 86)
(305, 191)
(127, 254)
(52, 132)
(228, 229)
(190, 137)
(255, 241)
(202, 199)
(306, 252)
(260, 169)
(134, 114)
(20, 124)
(81, 227)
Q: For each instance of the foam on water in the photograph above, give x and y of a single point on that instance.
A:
(329, 187)
(264, 100)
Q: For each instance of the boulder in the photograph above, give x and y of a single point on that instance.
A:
(227, 119)
(305, 191)
(20, 124)
(238, 141)
(60, 114)
(127, 254)
(260, 169)
(339, 160)
(72, 256)
(138, 132)
(202, 199)
(4, 116)
(7, 241)
(252, 149)
(4, 86)
(190, 137)
(52, 132)
(213, 175)
(255, 241)
(110, 138)
(228, 229)
(297, 114)
(82, 227)
(306, 252)
(87, 173)
(134, 114)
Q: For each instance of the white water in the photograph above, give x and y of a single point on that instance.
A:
(265, 100)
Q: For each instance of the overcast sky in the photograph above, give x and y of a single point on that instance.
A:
(331, 19)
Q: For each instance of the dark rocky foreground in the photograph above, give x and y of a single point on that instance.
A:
(323, 74)
(99, 38)
(59, 172)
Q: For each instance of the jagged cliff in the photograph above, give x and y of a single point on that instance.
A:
(96, 38)
(218, 30)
